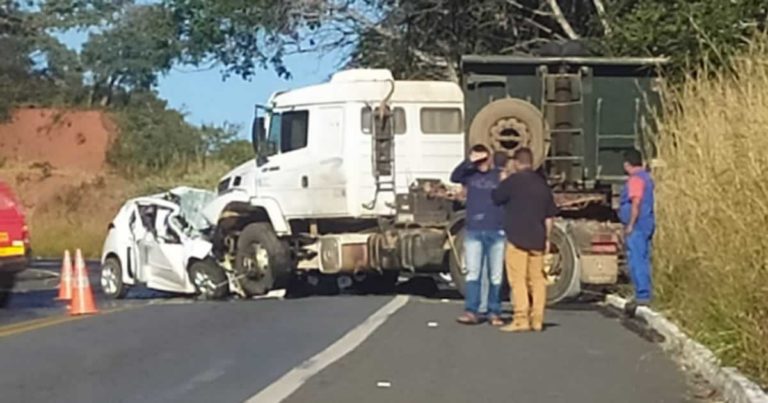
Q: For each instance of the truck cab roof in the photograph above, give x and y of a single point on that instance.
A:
(368, 86)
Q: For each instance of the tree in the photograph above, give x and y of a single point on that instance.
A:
(414, 36)
(33, 68)
(430, 36)
(131, 53)
(80, 14)
(691, 32)
(425, 38)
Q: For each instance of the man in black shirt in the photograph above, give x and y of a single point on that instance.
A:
(529, 211)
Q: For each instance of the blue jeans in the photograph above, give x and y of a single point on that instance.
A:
(639, 259)
(484, 253)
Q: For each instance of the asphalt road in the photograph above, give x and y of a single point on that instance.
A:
(150, 349)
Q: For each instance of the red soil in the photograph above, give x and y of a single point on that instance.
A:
(72, 140)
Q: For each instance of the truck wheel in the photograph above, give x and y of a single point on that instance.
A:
(563, 279)
(112, 279)
(262, 259)
(508, 124)
(209, 280)
(457, 267)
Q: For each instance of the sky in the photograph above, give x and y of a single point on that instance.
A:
(207, 98)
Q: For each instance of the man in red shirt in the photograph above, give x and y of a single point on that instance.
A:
(636, 212)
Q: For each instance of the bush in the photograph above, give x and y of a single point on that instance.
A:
(153, 137)
(155, 140)
(711, 254)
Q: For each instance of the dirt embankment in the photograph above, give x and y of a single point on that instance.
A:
(76, 140)
(56, 162)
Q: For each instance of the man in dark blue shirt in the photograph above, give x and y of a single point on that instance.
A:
(484, 239)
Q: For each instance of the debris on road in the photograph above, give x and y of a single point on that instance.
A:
(383, 384)
(432, 324)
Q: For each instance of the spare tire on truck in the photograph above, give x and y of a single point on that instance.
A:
(508, 124)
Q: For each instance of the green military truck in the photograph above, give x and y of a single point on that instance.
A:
(578, 115)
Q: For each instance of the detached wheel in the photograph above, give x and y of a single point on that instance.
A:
(209, 280)
(112, 279)
(262, 260)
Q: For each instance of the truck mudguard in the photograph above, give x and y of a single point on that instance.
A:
(214, 210)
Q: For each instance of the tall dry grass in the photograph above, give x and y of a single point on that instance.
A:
(711, 249)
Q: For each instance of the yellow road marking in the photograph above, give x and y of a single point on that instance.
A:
(35, 324)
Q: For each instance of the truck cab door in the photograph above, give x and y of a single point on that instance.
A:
(284, 174)
(327, 179)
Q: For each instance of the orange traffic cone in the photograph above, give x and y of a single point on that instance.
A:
(65, 285)
(82, 300)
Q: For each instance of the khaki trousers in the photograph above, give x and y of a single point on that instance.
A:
(525, 272)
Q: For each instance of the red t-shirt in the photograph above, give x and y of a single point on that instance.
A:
(635, 185)
(635, 188)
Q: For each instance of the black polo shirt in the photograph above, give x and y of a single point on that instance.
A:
(527, 202)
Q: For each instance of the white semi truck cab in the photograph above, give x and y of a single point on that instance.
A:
(343, 182)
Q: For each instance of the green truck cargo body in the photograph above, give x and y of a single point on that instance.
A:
(578, 115)
(595, 108)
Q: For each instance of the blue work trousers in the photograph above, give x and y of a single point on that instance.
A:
(638, 244)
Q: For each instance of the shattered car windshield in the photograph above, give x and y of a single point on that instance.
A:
(191, 203)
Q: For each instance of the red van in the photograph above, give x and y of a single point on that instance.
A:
(14, 241)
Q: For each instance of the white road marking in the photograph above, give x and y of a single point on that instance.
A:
(293, 379)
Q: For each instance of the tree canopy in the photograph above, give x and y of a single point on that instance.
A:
(131, 44)
(425, 38)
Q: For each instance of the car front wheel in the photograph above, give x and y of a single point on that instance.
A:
(112, 279)
(209, 280)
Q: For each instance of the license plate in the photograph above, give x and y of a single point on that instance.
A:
(12, 251)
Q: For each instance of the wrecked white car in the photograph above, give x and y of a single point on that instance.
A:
(159, 241)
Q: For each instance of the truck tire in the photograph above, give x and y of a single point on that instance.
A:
(262, 260)
(508, 124)
(567, 283)
(112, 279)
(209, 280)
(458, 273)
(568, 48)
(457, 267)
